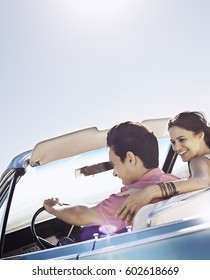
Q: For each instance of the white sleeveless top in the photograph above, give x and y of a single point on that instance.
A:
(207, 156)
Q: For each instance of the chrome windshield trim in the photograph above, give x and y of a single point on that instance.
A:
(20, 161)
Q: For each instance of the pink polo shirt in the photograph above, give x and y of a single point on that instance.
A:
(107, 208)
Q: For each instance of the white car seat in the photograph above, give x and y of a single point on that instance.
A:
(183, 206)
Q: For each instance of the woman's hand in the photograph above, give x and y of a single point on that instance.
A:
(137, 199)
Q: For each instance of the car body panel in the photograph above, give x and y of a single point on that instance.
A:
(180, 240)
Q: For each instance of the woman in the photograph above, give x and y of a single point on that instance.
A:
(190, 138)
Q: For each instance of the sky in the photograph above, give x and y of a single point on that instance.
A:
(71, 64)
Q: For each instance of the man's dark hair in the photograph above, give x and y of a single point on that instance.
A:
(134, 137)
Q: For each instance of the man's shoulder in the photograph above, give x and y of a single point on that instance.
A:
(168, 176)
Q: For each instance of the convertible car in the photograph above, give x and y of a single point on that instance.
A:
(75, 168)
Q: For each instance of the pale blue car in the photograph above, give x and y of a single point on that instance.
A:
(69, 165)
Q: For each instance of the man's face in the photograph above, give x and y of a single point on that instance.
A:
(122, 170)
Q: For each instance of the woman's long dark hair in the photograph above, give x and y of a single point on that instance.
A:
(192, 121)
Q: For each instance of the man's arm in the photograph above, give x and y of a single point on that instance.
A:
(77, 215)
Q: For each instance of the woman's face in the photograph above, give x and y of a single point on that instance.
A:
(186, 143)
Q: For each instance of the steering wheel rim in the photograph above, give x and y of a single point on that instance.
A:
(42, 242)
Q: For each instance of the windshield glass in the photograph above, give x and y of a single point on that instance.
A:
(58, 179)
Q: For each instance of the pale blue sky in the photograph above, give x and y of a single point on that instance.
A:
(70, 64)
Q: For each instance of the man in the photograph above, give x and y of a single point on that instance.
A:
(133, 152)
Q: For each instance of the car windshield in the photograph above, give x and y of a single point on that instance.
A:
(57, 179)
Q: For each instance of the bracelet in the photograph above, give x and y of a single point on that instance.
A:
(168, 189)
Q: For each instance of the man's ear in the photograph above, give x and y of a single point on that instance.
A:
(201, 135)
(131, 157)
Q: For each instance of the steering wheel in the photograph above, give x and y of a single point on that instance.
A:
(44, 243)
